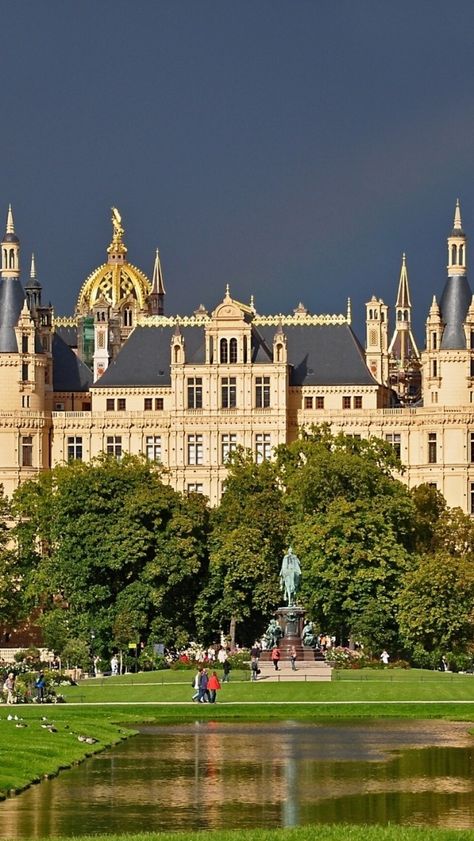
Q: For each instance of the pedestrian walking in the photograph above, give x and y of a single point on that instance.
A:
(203, 695)
(385, 657)
(276, 654)
(254, 668)
(196, 683)
(293, 658)
(9, 688)
(212, 687)
(40, 686)
(226, 667)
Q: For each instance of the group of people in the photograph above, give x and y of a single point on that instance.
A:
(206, 686)
(9, 688)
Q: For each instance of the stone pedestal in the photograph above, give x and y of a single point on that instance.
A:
(291, 621)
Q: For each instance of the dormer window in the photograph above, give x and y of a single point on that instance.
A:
(224, 351)
(233, 351)
(127, 318)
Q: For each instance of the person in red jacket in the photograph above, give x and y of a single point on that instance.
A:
(213, 685)
(276, 654)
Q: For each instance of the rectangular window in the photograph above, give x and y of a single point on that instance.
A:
(472, 366)
(24, 344)
(434, 341)
(394, 439)
(114, 446)
(195, 488)
(308, 402)
(74, 448)
(195, 449)
(159, 404)
(25, 371)
(110, 404)
(346, 402)
(153, 447)
(320, 402)
(435, 368)
(263, 448)
(358, 402)
(228, 445)
(121, 404)
(472, 497)
(471, 447)
(86, 407)
(432, 448)
(434, 396)
(27, 451)
(194, 392)
(25, 401)
(229, 392)
(148, 404)
(262, 392)
(59, 407)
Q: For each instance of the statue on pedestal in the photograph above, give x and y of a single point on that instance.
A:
(290, 576)
(273, 634)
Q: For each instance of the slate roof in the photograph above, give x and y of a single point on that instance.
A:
(318, 355)
(324, 355)
(69, 372)
(454, 305)
(11, 303)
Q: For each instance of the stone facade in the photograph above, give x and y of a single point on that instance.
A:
(185, 391)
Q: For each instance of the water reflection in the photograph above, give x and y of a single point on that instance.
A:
(210, 775)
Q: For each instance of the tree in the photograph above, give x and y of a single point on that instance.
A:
(11, 601)
(109, 538)
(352, 564)
(436, 603)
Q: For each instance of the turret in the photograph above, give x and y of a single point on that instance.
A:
(156, 297)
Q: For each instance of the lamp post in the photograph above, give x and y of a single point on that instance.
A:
(92, 652)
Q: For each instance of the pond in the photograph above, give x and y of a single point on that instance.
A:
(210, 776)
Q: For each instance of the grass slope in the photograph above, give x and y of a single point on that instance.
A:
(305, 833)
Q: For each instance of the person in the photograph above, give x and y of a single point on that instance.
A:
(222, 655)
(9, 688)
(40, 686)
(385, 657)
(254, 668)
(293, 658)
(212, 686)
(196, 682)
(443, 664)
(114, 665)
(227, 667)
(276, 654)
(203, 695)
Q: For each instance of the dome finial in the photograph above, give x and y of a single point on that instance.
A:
(117, 247)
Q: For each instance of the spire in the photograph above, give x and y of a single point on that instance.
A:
(403, 295)
(33, 267)
(10, 222)
(457, 226)
(158, 286)
(349, 311)
(403, 345)
(157, 294)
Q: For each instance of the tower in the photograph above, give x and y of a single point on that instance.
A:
(377, 339)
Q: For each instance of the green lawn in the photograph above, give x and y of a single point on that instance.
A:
(107, 709)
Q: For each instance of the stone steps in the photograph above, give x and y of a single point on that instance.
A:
(305, 671)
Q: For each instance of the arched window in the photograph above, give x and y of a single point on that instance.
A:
(233, 351)
(176, 350)
(12, 257)
(279, 353)
(127, 318)
(245, 348)
(224, 351)
(461, 255)
(371, 315)
(454, 254)
(399, 315)
(405, 315)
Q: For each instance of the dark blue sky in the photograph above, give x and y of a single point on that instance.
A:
(292, 149)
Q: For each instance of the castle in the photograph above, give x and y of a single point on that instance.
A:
(121, 376)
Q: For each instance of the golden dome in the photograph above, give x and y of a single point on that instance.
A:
(117, 281)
